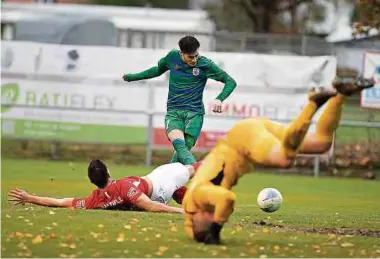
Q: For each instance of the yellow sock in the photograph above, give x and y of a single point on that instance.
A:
(329, 120)
(297, 130)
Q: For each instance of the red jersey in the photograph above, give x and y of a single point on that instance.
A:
(119, 195)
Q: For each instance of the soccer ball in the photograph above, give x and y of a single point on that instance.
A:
(269, 199)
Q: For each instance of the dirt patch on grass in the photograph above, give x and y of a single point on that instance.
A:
(336, 231)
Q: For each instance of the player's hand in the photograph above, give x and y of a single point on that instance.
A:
(18, 196)
(126, 77)
(217, 107)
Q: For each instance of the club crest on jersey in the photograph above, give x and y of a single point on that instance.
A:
(195, 71)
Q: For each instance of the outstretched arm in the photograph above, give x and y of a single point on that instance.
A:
(147, 204)
(152, 72)
(18, 196)
(218, 74)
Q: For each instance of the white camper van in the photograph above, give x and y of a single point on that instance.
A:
(131, 27)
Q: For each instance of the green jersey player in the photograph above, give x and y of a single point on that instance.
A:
(185, 110)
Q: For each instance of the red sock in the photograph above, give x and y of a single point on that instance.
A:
(179, 194)
(196, 165)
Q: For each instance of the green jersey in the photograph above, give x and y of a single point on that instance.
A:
(186, 83)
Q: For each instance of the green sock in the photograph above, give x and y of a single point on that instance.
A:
(189, 142)
(174, 158)
(184, 155)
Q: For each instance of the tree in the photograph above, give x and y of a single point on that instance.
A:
(171, 4)
(366, 16)
(255, 15)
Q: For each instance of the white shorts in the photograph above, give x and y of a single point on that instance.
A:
(166, 179)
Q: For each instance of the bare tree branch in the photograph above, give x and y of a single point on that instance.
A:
(250, 11)
(292, 5)
(248, 6)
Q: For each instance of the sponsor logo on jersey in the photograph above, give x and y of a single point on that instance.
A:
(131, 192)
(136, 183)
(81, 204)
(195, 71)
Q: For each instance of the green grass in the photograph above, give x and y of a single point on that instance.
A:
(308, 203)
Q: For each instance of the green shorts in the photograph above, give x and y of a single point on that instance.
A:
(190, 123)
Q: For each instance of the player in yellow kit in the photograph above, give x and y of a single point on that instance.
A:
(208, 202)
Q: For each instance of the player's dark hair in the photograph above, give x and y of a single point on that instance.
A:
(188, 44)
(98, 173)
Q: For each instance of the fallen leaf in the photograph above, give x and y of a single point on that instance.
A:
(263, 256)
(238, 228)
(120, 237)
(51, 212)
(158, 235)
(242, 254)
(30, 224)
(22, 246)
(316, 246)
(8, 216)
(54, 224)
(126, 251)
(158, 253)
(20, 217)
(28, 235)
(127, 226)
(48, 228)
(64, 245)
(214, 253)
(19, 235)
(233, 232)
(173, 229)
(133, 239)
(135, 220)
(265, 230)
(290, 244)
(346, 244)
(144, 229)
(276, 247)
(100, 226)
(162, 249)
(37, 240)
(72, 246)
(52, 236)
(94, 235)
(223, 247)
(262, 248)
(176, 256)
(146, 239)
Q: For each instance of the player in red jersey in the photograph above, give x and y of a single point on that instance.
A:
(148, 193)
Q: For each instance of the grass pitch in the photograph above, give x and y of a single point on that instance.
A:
(319, 218)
